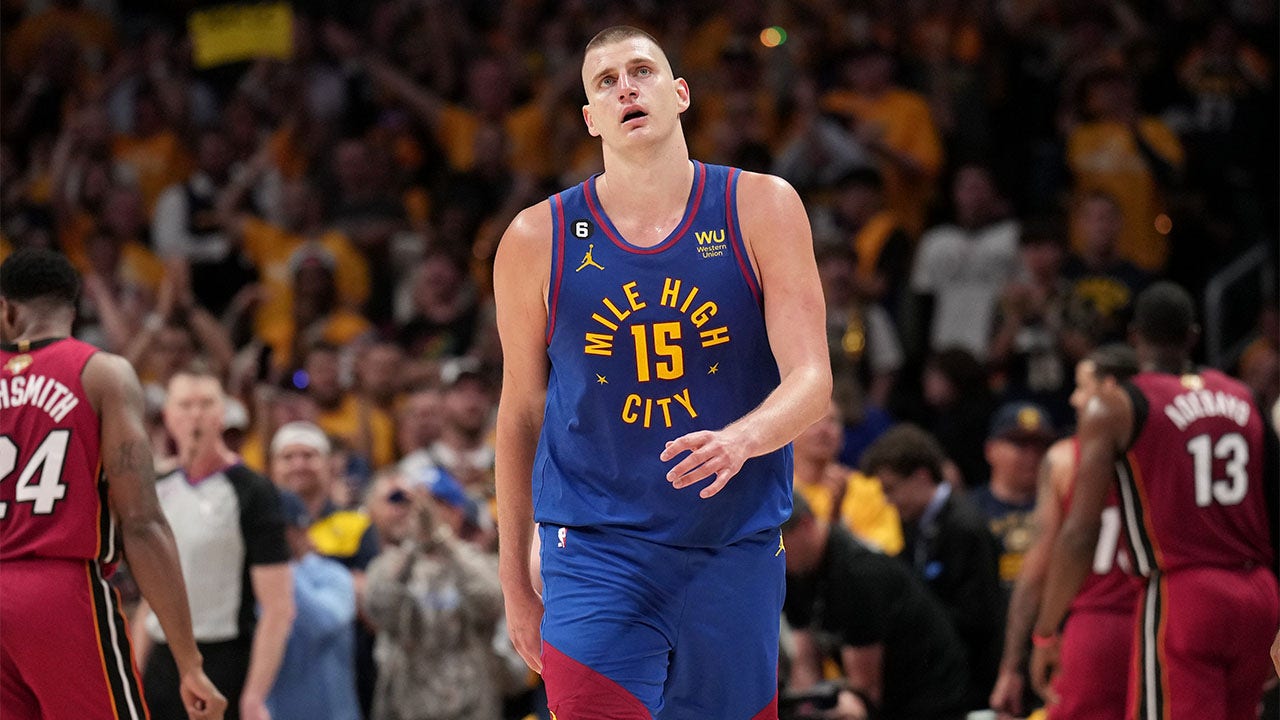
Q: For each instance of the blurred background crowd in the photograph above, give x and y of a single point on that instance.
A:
(307, 198)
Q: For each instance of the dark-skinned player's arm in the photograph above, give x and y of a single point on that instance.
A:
(1024, 603)
(776, 233)
(521, 274)
(114, 390)
(1105, 427)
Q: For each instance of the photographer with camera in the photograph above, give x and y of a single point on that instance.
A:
(898, 653)
(436, 601)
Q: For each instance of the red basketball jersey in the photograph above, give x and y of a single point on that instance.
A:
(52, 495)
(1109, 586)
(1191, 484)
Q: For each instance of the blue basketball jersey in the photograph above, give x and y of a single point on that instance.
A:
(645, 345)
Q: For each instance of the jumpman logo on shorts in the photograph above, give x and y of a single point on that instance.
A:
(587, 260)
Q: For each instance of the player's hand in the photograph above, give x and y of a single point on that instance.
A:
(201, 699)
(710, 453)
(1275, 653)
(1044, 665)
(848, 707)
(253, 708)
(524, 624)
(1006, 697)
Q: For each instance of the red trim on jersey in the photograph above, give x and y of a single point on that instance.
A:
(691, 212)
(768, 712)
(736, 242)
(576, 692)
(557, 205)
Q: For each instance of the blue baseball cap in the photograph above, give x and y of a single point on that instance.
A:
(1022, 421)
(446, 488)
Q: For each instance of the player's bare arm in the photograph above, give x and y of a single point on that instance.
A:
(1105, 426)
(1054, 478)
(521, 275)
(116, 394)
(780, 244)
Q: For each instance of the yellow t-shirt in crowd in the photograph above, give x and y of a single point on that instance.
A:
(905, 124)
(526, 137)
(1103, 156)
(344, 422)
(270, 248)
(865, 510)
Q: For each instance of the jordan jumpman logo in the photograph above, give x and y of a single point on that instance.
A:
(588, 260)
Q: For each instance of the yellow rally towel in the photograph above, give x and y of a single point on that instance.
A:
(231, 33)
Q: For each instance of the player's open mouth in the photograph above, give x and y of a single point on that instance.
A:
(634, 114)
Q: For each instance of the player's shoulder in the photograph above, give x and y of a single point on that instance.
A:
(107, 373)
(529, 231)
(755, 187)
(1221, 380)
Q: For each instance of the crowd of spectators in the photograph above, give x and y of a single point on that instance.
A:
(990, 184)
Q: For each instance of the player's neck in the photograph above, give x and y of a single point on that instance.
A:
(43, 330)
(646, 183)
(1166, 360)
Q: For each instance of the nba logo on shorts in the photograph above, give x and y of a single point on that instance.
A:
(561, 535)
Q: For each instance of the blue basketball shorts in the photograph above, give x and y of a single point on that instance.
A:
(636, 629)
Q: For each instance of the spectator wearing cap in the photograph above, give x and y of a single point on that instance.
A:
(386, 501)
(947, 543)
(317, 678)
(300, 463)
(436, 602)
(1020, 434)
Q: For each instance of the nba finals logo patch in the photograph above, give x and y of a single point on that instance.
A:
(711, 243)
(1192, 382)
(18, 363)
(561, 536)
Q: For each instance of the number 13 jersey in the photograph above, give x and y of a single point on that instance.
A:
(1191, 485)
(52, 497)
(645, 345)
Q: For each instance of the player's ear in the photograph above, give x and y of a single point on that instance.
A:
(591, 125)
(682, 94)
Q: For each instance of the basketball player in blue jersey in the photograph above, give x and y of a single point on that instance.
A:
(663, 338)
